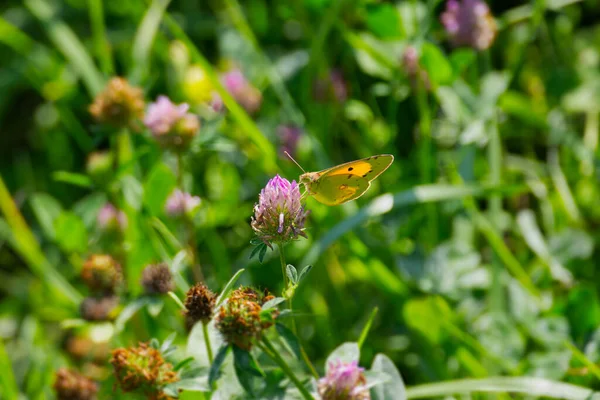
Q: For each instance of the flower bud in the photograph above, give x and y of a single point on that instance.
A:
(99, 167)
(70, 385)
(241, 90)
(119, 104)
(157, 279)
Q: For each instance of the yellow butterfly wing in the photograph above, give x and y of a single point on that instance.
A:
(332, 190)
(345, 182)
(368, 168)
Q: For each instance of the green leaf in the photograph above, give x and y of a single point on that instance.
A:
(384, 20)
(437, 65)
(273, 303)
(291, 273)
(529, 386)
(157, 188)
(304, 273)
(393, 387)
(72, 178)
(258, 247)
(46, 210)
(8, 384)
(129, 311)
(144, 37)
(71, 234)
(345, 353)
(215, 368)
(246, 370)
(196, 343)
(228, 287)
(132, 191)
(427, 316)
(262, 253)
(290, 340)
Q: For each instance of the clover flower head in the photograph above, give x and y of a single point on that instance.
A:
(241, 320)
(344, 381)
(110, 219)
(332, 87)
(70, 385)
(469, 23)
(119, 104)
(143, 370)
(171, 124)
(199, 304)
(279, 215)
(180, 203)
(413, 69)
(157, 279)
(102, 274)
(244, 93)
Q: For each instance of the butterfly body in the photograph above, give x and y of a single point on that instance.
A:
(346, 181)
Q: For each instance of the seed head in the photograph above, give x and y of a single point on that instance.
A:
(143, 370)
(120, 104)
(171, 125)
(157, 279)
(70, 385)
(199, 304)
(469, 23)
(279, 216)
(101, 273)
(344, 381)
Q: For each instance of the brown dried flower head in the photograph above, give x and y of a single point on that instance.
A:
(119, 104)
(98, 308)
(157, 279)
(101, 273)
(199, 304)
(241, 320)
(70, 385)
(143, 370)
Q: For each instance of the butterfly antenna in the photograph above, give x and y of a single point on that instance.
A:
(295, 162)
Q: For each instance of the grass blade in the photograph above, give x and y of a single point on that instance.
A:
(530, 386)
(68, 44)
(8, 384)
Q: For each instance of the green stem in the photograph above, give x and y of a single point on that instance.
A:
(101, 45)
(426, 156)
(207, 342)
(494, 154)
(307, 361)
(269, 350)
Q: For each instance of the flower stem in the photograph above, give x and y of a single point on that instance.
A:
(207, 342)
(307, 361)
(269, 350)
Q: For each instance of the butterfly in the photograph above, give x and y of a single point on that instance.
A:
(345, 182)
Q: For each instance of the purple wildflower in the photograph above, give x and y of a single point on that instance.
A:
(289, 135)
(180, 203)
(171, 125)
(469, 23)
(111, 219)
(241, 90)
(344, 381)
(279, 216)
